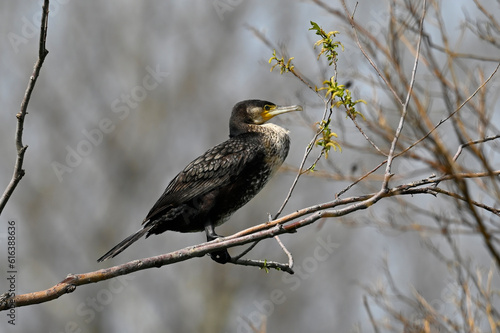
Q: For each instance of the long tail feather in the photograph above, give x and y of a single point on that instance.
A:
(124, 244)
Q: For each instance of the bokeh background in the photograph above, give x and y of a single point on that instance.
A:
(101, 58)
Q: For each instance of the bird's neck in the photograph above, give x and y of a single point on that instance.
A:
(265, 129)
(271, 129)
(274, 138)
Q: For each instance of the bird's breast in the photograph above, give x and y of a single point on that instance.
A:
(275, 146)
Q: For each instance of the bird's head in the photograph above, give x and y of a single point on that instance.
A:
(255, 112)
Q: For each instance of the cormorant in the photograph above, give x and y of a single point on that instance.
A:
(222, 180)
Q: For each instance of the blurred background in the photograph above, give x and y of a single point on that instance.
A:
(129, 94)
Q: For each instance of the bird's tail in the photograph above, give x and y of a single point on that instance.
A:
(125, 243)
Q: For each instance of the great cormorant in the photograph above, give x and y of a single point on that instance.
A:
(222, 180)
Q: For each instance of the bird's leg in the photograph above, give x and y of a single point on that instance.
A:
(222, 256)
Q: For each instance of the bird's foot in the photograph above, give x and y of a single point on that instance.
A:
(221, 257)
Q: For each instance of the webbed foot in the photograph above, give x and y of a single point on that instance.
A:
(221, 256)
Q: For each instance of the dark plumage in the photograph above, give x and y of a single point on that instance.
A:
(223, 179)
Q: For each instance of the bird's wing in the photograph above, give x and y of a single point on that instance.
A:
(218, 167)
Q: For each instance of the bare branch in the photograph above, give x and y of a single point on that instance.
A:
(21, 148)
(370, 315)
(264, 264)
(355, 27)
(405, 105)
(288, 254)
(475, 203)
(72, 281)
(470, 143)
(442, 121)
(257, 233)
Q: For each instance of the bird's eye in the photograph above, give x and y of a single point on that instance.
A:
(267, 107)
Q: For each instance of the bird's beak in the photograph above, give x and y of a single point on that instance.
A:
(276, 110)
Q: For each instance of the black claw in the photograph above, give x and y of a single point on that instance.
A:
(221, 257)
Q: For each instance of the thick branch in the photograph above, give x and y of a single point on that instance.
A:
(72, 281)
(283, 225)
(21, 148)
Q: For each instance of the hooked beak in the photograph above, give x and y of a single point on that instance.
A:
(276, 110)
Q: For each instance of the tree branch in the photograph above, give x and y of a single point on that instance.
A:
(355, 26)
(404, 112)
(286, 224)
(442, 121)
(21, 148)
(470, 143)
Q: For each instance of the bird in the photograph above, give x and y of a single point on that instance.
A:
(215, 185)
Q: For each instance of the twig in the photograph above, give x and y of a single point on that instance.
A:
(236, 258)
(449, 52)
(462, 146)
(270, 45)
(289, 255)
(370, 141)
(404, 112)
(309, 148)
(354, 25)
(475, 203)
(21, 148)
(405, 104)
(268, 264)
(261, 263)
(348, 187)
(370, 315)
(264, 264)
(442, 121)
